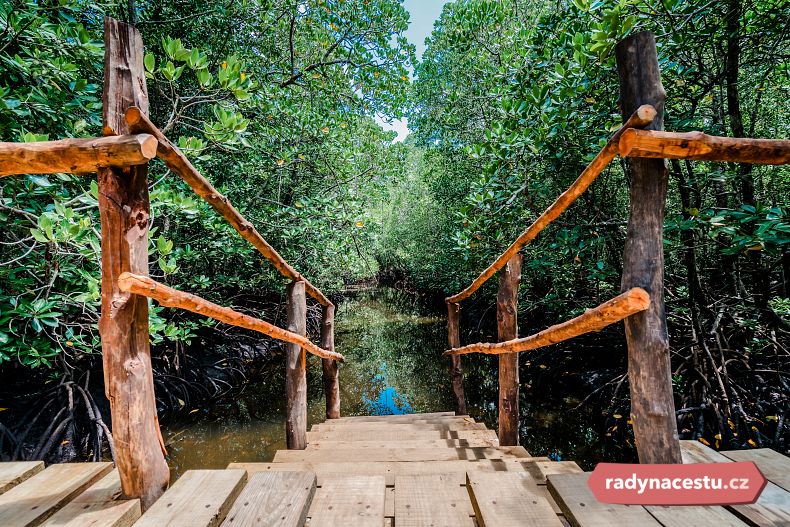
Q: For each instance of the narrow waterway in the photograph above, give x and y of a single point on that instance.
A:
(393, 347)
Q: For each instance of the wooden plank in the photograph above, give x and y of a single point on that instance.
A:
(696, 516)
(398, 435)
(200, 498)
(441, 421)
(331, 426)
(388, 418)
(398, 454)
(774, 466)
(13, 473)
(329, 370)
(273, 498)
(540, 469)
(99, 506)
(388, 469)
(37, 498)
(771, 508)
(509, 500)
(581, 509)
(430, 499)
(349, 500)
(429, 443)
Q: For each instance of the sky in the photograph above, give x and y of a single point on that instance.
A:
(423, 14)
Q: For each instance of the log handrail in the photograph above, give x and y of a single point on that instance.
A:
(595, 319)
(703, 147)
(180, 165)
(169, 297)
(643, 116)
(76, 155)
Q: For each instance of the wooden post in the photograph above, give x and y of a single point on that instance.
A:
(649, 372)
(507, 329)
(330, 373)
(457, 373)
(124, 210)
(296, 371)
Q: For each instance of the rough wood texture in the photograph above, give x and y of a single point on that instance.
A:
(329, 445)
(540, 470)
(13, 473)
(329, 367)
(76, 156)
(180, 165)
(37, 498)
(456, 369)
(167, 296)
(581, 509)
(200, 498)
(431, 499)
(632, 301)
(649, 372)
(696, 516)
(641, 117)
(400, 435)
(703, 147)
(273, 498)
(509, 500)
(398, 453)
(398, 417)
(125, 213)
(774, 466)
(771, 508)
(98, 506)
(507, 329)
(328, 426)
(353, 500)
(296, 370)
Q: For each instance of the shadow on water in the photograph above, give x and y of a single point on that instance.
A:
(393, 365)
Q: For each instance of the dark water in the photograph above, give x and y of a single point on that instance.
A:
(393, 349)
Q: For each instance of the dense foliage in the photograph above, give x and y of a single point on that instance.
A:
(274, 101)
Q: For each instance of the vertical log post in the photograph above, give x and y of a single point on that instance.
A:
(456, 373)
(649, 372)
(296, 371)
(507, 329)
(330, 373)
(124, 211)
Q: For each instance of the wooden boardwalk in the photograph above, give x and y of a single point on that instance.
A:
(410, 470)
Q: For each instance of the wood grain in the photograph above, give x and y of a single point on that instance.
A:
(507, 330)
(703, 147)
(431, 500)
(774, 466)
(76, 156)
(456, 368)
(509, 500)
(273, 498)
(100, 505)
(349, 500)
(296, 370)
(329, 367)
(13, 473)
(399, 454)
(124, 211)
(169, 297)
(632, 301)
(649, 372)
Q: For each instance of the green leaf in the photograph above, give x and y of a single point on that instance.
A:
(150, 62)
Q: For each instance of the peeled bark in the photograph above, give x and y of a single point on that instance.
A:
(457, 373)
(507, 329)
(329, 366)
(296, 371)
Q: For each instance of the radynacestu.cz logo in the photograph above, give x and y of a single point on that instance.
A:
(694, 484)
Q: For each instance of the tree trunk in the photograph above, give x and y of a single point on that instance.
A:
(296, 371)
(649, 371)
(507, 329)
(124, 211)
(457, 373)
(330, 373)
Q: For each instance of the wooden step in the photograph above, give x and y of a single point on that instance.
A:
(99, 506)
(273, 498)
(199, 498)
(13, 473)
(389, 469)
(400, 454)
(395, 417)
(398, 435)
(509, 500)
(356, 500)
(431, 499)
(329, 426)
(328, 444)
(38, 497)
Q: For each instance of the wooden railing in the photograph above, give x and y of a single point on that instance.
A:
(641, 304)
(121, 158)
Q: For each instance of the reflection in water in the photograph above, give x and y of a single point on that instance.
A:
(393, 365)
